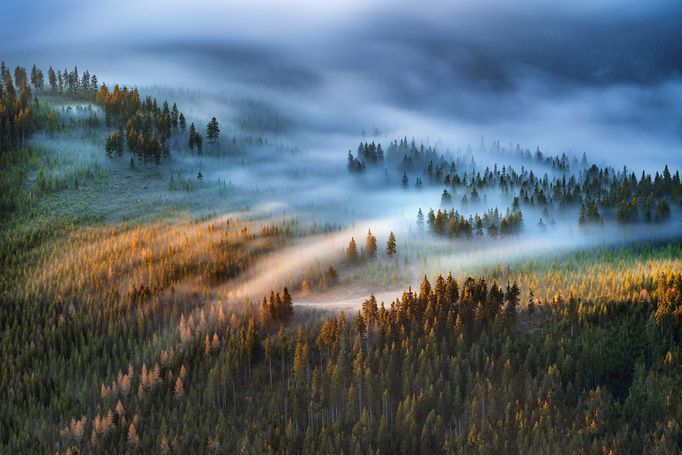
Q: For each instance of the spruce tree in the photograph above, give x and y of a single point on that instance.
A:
(212, 130)
(93, 84)
(52, 79)
(192, 137)
(174, 116)
(391, 247)
(352, 251)
(371, 245)
(198, 141)
(182, 122)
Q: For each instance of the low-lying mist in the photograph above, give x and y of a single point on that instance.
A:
(303, 84)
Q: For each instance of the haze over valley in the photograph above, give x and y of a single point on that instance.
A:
(345, 227)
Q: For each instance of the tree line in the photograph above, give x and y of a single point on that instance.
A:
(370, 249)
(142, 126)
(453, 224)
(17, 107)
(145, 127)
(598, 193)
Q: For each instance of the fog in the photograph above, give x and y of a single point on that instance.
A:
(598, 78)
(315, 78)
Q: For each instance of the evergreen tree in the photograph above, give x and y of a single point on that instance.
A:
(371, 245)
(512, 297)
(330, 276)
(352, 251)
(52, 79)
(446, 198)
(93, 84)
(37, 79)
(212, 130)
(85, 82)
(20, 75)
(198, 141)
(391, 246)
(192, 137)
(175, 117)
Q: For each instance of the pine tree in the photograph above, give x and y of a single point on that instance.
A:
(512, 298)
(179, 389)
(330, 276)
(93, 84)
(391, 247)
(20, 75)
(192, 137)
(198, 141)
(52, 79)
(446, 198)
(114, 145)
(352, 251)
(212, 130)
(371, 245)
(85, 82)
(174, 116)
(287, 305)
(37, 79)
(133, 438)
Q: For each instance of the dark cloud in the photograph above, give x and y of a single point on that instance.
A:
(580, 75)
(420, 61)
(242, 61)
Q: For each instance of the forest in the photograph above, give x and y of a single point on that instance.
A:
(190, 263)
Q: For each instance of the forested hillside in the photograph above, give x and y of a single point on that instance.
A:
(174, 281)
(454, 367)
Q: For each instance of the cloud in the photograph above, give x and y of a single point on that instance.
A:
(583, 76)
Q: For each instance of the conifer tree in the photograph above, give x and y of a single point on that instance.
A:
(179, 389)
(174, 116)
(37, 79)
(93, 84)
(191, 142)
(287, 304)
(512, 297)
(391, 246)
(198, 141)
(52, 79)
(212, 130)
(352, 251)
(133, 438)
(371, 245)
(330, 276)
(182, 122)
